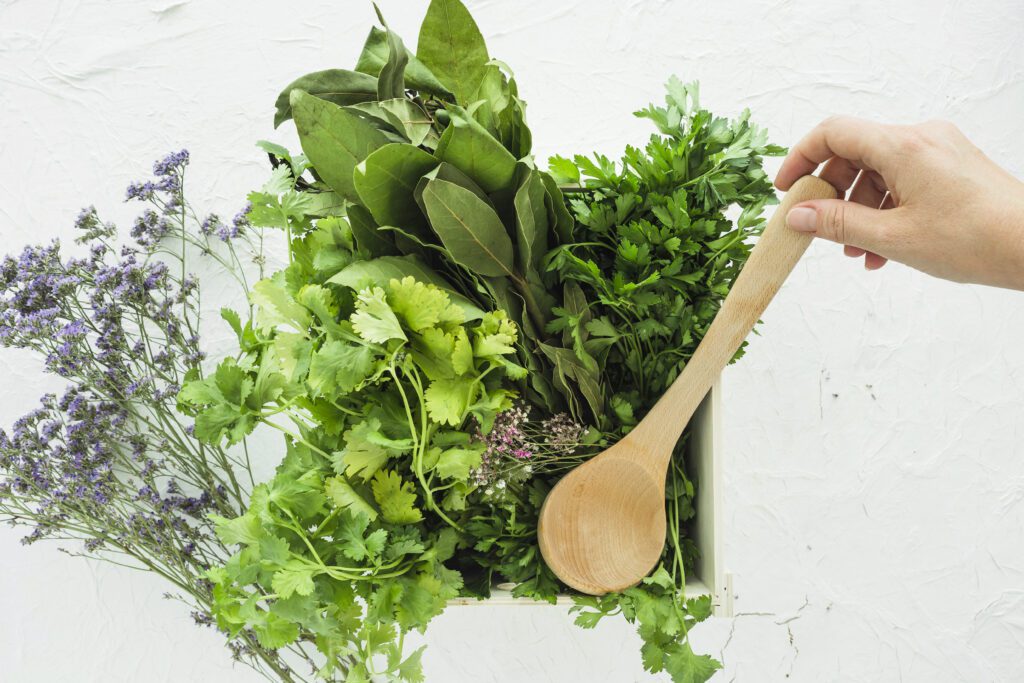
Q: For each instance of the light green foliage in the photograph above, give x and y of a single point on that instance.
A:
(435, 275)
(361, 504)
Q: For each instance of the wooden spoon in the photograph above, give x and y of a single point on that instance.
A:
(602, 527)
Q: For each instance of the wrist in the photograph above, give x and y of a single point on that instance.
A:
(1014, 220)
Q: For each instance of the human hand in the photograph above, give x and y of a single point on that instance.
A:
(922, 195)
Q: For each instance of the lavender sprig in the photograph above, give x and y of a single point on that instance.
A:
(111, 462)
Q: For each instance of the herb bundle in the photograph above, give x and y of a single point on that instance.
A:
(455, 329)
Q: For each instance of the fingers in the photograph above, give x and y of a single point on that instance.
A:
(847, 223)
(874, 261)
(862, 143)
(839, 173)
(869, 190)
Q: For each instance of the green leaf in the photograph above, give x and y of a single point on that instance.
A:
(417, 75)
(559, 216)
(569, 366)
(368, 236)
(374, 320)
(420, 305)
(456, 463)
(404, 116)
(443, 355)
(563, 170)
(274, 549)
(339, 367)
(448, 400)
(496, 336)
(201, 392)
(685, 666)
(339, 86)
(404, 543)
(411, 668)
(276, 632)
(531, 222)
(275, 306)
(396, 498)
(470, 229)
(335, 140)
(385, 182)
(380, 272)
(293, 351)
(270, 384)
(448, 172)
(243, 530)
(304, 496)
(297, 579)
(391, 79)
(588, 619)
(366, 450)
(222, 421)
(451, 46)
(467, 145)
(320, 301)
(344, 496)
(419, 602)
(354, 543)
(231, 318)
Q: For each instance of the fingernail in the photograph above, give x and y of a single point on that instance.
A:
(802, 219)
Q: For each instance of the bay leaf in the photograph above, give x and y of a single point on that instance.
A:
(385, 182)
(468, 146)
(469, 229)
(334, 140)
(417, 76)
(367, 235)
(451, 46)
(339, 86)
(531, 222)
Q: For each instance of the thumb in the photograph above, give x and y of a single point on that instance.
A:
(844, 222)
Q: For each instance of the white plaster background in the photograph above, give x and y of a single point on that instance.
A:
(873, 457)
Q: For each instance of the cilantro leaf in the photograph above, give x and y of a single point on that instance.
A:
(366, 450)
(374, 320)
(396, 498)
(294, 579)
(275, 632)
(448, 400)
(341, 492)
(355, 544)
(421, 305)
(245, 529)
(455, 463)
(339, 367)
(275, 306)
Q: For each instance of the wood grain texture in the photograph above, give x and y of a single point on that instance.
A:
(602, 528)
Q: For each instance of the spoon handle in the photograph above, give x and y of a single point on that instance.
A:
(769, 264)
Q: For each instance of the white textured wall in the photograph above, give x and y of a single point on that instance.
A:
(874, 468)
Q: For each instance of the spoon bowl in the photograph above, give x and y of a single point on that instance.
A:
(603, 503)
